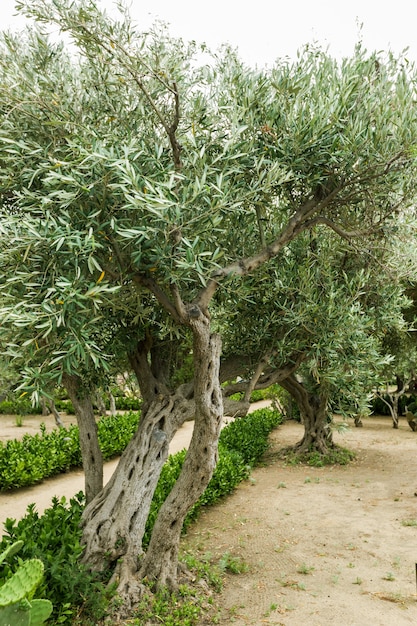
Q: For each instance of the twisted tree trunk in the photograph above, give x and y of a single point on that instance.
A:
(160, 563)
(313, 411)
(114, 522)
(92, 457)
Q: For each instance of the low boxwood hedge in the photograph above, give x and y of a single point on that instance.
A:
(23, 406)
(35, 457)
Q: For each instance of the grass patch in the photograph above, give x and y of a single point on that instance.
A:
(335, 456)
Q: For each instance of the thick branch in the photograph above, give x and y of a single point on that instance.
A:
(160, 295)
(269, 377)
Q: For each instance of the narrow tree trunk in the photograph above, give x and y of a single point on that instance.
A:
(313, 410)
(58, 420)
(101, 407)
(112, 404)
(45, 408)
(395, 415)
(90, 450)
(160, 563)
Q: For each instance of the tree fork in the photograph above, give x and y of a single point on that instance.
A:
(160, 563)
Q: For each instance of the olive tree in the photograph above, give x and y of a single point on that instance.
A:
(137, 180)
(330, 305)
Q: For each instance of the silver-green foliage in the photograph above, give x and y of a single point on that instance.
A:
(17, 606)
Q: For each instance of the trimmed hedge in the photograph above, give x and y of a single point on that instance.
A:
(35, 457)
(23, 406)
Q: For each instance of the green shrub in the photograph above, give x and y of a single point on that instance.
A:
(249, 435)
(115, 432)
(258, 394)
(21, 406)
(65, 406)
(54, 538)
(37, 457)
(125, 403)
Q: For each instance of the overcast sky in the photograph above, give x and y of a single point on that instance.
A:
(263, 30)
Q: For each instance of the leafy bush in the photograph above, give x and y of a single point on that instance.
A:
(115, 432)
(36, 457)
(126, 403)
(65, 406)
(249, 435)
(21, 406)
(54, 538)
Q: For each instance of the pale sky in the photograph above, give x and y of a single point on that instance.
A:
(263, 30)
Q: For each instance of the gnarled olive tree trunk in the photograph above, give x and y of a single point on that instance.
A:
(160, 563)
(313, 408)
(92, 457)
(114, 522)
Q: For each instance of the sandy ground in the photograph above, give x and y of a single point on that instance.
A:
(323, 546)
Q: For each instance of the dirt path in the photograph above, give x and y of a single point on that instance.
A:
(324, 546)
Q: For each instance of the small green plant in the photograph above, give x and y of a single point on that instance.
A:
(281, 486)
(172, 609)
(304, 569)
(389, 576)
(409, 522)
(335, 456)
(18, 421)
(17, 606)
(232, 564)
(203, 568)
(358, 581)
(396, 562)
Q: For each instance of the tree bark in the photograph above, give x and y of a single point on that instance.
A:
(313, 411)
(112, 404)
(57, 417)
(101, 407)
(92, 457)
(114, 522)
(160, 563)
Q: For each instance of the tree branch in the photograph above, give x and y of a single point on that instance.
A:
(160, 295)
